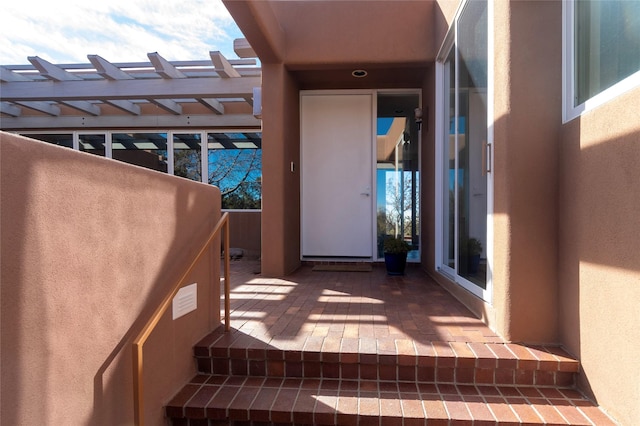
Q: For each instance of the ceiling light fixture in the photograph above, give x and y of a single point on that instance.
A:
(359, 73)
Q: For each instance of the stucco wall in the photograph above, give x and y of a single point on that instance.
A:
(244, 230)
(599, 253)
(90, 246)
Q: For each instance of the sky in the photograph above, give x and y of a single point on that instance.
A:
(66, 31)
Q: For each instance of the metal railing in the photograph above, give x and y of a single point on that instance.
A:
(138, 343)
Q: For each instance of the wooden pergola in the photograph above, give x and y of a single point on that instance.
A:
(217, 92)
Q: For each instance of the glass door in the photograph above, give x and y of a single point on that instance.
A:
(464, 151)
(397, 171)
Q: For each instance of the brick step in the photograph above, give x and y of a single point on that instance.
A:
(223, 400)
(386, 359)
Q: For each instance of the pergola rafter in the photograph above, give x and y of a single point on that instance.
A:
(91, 89)
(10, 109)
(44, 107)
(107, 70)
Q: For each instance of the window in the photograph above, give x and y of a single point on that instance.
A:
(62, 139)
(93, 143)
(187, 156)
(602, 45)
(147, 150)
(235, 166)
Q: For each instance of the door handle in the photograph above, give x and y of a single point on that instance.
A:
(487, 159)
(365, 194)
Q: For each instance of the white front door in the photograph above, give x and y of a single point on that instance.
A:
(336, 173)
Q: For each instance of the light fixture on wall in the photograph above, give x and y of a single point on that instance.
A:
(418, 116)
(359, 73)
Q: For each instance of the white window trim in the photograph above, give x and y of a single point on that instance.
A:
(569, 110)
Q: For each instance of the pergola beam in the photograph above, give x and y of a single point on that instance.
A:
(257, 102)
(243, 49)
(147, 122)
(186, 88)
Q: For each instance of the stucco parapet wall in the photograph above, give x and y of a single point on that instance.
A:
(90, 246)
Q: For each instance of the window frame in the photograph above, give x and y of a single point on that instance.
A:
(569, 110)
(441, 128)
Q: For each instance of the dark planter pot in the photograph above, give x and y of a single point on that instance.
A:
(473, 264)
(395, 263)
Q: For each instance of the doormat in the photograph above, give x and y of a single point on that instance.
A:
(358, 267)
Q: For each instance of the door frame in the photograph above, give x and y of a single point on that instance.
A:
(372, 195)
(373, 191)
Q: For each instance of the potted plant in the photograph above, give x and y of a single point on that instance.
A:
(395, 255)
(474, 250)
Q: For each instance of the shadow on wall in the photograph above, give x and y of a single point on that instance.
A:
(599, 260)
(89, 248)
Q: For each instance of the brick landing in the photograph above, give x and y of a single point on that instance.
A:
(365, 348)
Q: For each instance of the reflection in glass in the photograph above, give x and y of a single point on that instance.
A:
(449, 177)
(472, 111)
(65, 140)
(607, 45)
(235, 166)
(93, 144)
(187, 156)
(397, 172)
(147, 150)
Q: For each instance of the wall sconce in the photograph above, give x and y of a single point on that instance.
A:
(418, 116)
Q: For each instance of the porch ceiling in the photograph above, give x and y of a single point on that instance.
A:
(377, 77)
(322, 42)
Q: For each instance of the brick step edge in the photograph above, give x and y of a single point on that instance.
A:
(330, 401)
(236, 345)
(385, 371)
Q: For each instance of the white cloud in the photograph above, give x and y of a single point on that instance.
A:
(67, 31)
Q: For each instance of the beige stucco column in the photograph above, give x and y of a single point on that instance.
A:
(527, 116)
(280, 182)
